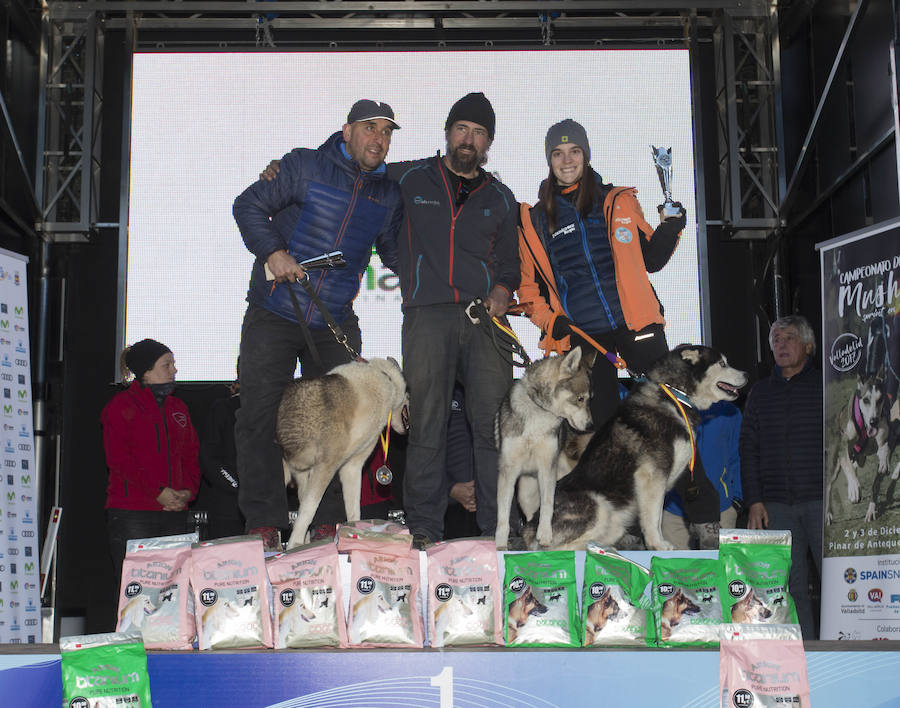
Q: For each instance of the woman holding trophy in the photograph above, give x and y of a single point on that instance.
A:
(586, 249)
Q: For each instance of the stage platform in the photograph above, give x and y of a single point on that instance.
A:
(841, 674)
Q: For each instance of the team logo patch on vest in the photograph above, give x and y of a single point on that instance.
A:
(181, 419)
(623, 235)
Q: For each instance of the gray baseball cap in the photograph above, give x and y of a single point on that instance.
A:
(366, 109)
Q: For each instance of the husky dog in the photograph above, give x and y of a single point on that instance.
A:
(530, 435)
(632, 461)
(864, 426)
(329, 425)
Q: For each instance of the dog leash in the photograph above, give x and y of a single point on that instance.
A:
(506, 342)
(668, 390)
(331, 260)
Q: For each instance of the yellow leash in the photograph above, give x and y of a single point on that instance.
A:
(686, 422)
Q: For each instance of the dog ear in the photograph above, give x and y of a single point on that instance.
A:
(572, 360)
(588, 360)
(393, 361)
(691, 356)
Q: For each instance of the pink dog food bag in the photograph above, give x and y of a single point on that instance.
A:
(351, 538)
(308, 599)
(464, 606)
(155, 594)
(384, 589)
(229, 581)
(762, 665)
(379, 525)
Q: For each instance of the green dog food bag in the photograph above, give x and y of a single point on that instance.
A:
(105, 671)
(540, 599)
(687, 601)
(757, 567)
(614, 605)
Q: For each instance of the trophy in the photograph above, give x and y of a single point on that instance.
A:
(662, 159)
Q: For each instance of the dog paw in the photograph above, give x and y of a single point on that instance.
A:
(896, 473)
(544, 539)
(870, 512)
(853, 491)
(661, 546)
(502, 542)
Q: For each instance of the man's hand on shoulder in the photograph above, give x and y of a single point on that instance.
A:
(283, 266)
(497, 302)
(271, 171)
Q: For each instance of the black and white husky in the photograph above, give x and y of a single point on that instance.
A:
(633, 460)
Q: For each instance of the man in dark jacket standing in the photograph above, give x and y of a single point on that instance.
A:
(781, 454)
(460, 243)
(334, 198)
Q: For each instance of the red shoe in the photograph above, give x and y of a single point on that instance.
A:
(323, 531)
(271, 537)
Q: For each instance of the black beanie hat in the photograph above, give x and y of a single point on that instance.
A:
(473, 107)
(567, 131)
(143, 355)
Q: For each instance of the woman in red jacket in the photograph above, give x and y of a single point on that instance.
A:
(151, 451)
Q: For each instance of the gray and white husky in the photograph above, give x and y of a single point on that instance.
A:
(635, 458)
(530, 433)
(329, 425)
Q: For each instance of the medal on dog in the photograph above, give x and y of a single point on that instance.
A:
(383, 475)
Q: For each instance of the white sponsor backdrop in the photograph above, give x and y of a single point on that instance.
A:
(861, 334)
(20, 606)
(205, 124)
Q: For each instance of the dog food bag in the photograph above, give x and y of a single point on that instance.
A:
(105, 671)
(687, 601)
(464, 593)
(541, 599)
(350, 538)
(155, 595)
(229, 581)
(757, 566)
(763, 666)
(379, 525)
(614, 601)
(384, 595)
(308, 599)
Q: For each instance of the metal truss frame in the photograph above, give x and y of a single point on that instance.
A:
(67, 176)
(749, 130)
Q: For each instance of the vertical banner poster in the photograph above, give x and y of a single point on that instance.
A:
(861, 363)
(20, 607)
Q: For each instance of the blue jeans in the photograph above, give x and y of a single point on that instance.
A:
(270, 347)
(805, 521)
(441, 346)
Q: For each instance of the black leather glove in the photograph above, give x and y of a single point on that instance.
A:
(562, 327)
(681, 219)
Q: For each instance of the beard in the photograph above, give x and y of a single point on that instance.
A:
(466, 161)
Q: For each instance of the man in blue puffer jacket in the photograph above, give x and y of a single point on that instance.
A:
(332, 198)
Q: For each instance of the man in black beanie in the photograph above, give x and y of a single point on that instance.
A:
(460, 243)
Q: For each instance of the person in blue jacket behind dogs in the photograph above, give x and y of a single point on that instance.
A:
(336, 197)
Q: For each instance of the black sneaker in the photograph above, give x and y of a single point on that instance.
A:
(271, 538)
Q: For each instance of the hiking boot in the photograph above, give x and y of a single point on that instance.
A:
(420, 540)
(271, 538)
(323, 531)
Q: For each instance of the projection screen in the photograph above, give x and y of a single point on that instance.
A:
(203, 125)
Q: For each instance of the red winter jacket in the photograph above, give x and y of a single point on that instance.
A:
(148, 449)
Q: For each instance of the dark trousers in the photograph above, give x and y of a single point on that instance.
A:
(638, 349)
(441, 346)
(270, 347)
(125, 524)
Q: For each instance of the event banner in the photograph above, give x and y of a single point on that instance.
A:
(860, 362)
(20, 606)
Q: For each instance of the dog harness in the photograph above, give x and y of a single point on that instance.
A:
(677, 400)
